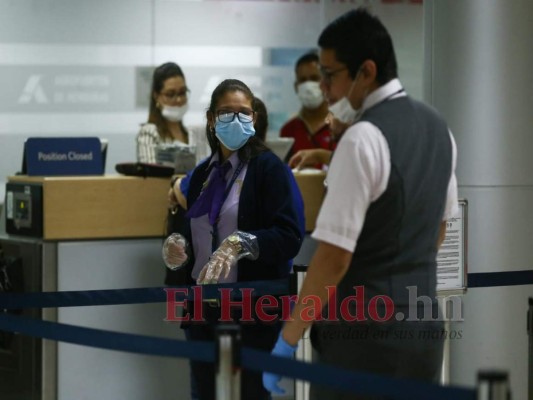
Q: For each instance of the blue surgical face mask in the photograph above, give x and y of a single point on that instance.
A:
(234, 134)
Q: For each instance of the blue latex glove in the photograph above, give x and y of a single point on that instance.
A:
(281, 349)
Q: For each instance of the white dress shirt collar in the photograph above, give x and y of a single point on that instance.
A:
(391, 89)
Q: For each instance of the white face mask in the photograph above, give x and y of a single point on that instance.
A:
(343, 109)
(310, 94)
(174, 113)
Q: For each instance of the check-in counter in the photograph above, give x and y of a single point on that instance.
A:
(98, 207)
(119, 206)
(104, 232)
(95, 233)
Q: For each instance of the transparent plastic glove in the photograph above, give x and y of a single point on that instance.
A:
(236, 246)
(281, 349)
(175, 251)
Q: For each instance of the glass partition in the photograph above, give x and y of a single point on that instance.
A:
(72, 68)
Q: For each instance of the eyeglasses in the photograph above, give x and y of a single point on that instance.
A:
(171, 95)
(226, 116)
(327, 76)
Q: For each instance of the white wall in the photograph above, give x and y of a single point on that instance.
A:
(478, 73)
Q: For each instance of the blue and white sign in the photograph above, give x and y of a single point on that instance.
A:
(64, 156)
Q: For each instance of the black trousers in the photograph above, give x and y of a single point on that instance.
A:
(261, 336)
(398, 349)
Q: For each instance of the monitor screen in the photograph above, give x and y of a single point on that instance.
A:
(280, 146)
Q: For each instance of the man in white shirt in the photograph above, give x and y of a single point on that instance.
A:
(390, 188)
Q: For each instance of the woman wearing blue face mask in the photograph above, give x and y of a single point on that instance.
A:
(168, 105)
(242, 225)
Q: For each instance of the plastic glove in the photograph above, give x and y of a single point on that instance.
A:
(281, 349)
(236, 246)
(175, 251)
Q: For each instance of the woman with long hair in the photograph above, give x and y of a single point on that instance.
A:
(242, 225)
(168, 105)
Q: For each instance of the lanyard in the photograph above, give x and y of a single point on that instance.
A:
(214, 231)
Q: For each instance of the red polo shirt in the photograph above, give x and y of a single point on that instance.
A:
(303, 139)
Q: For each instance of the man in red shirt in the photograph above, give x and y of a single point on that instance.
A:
(309, 128)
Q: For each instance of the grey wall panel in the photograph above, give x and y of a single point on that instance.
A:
(479, 67)
(93, 374)
(500, 228)
(482, 60)
(492, 335)
(75, 21)
(237, 23)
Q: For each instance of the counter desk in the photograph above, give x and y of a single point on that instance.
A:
(99, 233)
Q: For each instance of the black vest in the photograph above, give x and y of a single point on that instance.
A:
(397, 246)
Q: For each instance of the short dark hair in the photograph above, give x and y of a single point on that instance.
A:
(254, 145)
(358, 36)
(309, 57)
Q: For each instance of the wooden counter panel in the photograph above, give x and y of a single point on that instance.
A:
(104, 207)
(313, 191)
(117, 206)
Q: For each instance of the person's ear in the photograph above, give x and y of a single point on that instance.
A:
(210, 119)
(369, 71)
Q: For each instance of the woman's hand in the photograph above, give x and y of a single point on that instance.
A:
(175, 251)
(172, 200)
(176, 197)
(220, 262)
(236, 246)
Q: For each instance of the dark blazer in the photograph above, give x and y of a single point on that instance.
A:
(266, 210)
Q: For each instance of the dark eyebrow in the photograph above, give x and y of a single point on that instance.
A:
(242, 109)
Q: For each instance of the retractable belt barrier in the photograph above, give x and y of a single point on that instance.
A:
(508, 278)
(353, 382)
(158, 294)
(137, 296)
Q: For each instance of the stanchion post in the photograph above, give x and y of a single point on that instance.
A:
(530, 333)
(493, 385)
(305, 350)
(228, 362)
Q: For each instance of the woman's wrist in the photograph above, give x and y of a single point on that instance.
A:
(173, 181)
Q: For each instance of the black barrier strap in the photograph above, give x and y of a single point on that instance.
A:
(159, 295)
(134, 296)
(350, 381)
(337, 378)
(198, 350)
(484, 279)
(490, 279)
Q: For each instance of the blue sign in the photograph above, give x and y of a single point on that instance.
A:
(64, 156)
